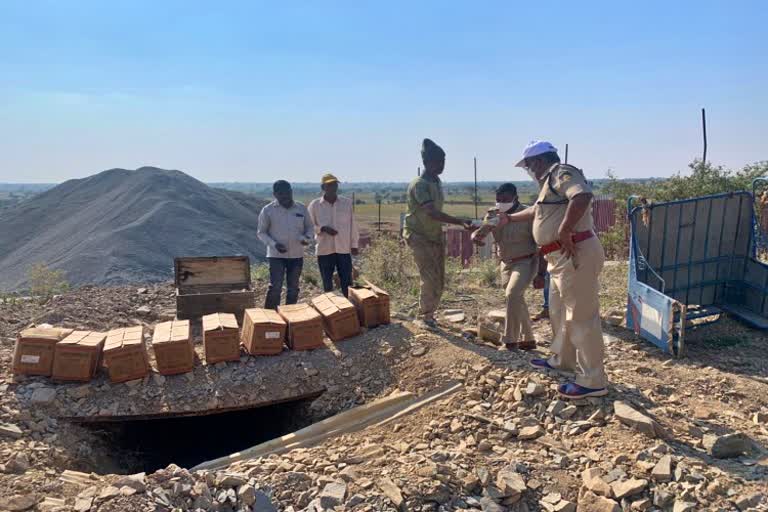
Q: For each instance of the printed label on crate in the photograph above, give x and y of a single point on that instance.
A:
(272, 335)
(30, 359)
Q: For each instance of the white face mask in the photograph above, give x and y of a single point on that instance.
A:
(503, 207)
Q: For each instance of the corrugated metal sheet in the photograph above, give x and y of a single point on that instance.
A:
(603, 213)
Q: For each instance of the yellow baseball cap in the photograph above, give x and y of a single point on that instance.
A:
(328, 178)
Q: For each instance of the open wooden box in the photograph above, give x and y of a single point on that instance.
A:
(216, 284)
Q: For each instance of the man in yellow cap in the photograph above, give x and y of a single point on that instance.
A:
(424, 230)
(336, 233)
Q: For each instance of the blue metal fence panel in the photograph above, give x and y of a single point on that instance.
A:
(693, 258)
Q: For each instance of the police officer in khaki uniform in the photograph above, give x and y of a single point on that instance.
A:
(423, 230)
(519, 265)
(564, 232)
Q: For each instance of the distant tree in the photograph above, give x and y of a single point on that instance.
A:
(706, 179)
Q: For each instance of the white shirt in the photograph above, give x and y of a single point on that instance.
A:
(339, 216)
(288, 226)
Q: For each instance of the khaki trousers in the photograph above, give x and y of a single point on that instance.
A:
(574, 310)
(430, 258)
(518, 277)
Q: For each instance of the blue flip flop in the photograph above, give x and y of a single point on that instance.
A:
(575, 391)
(541, 364)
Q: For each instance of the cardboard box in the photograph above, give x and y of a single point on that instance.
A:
(78, 356)
(339, 316)
(221, 338)
(33, 354)
(172, 343)
(263, 332)
(305, 326)
(125, 355)
(213, 284)
(372, 304)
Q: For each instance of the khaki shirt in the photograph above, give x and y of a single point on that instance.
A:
(423, 190)
(560, 184)
(515, 239)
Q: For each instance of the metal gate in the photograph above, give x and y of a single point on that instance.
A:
(693, 259)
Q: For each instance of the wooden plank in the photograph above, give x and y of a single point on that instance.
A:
(425, 400)
(191, 271)
(195, 306)
(377, 413)
(311, 433)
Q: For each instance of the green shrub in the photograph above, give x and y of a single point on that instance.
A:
(260, 273)
(310, 273)
(388, 263)
(488, 272)
(615, 242)
(45, 282)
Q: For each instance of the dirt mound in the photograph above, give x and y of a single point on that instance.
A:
(122, 226)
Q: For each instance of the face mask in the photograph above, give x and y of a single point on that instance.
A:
(503, 207)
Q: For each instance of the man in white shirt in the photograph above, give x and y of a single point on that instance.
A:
(285, 228)
(336, 232)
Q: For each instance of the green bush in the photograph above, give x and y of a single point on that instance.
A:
(45, 282)
(704, 179)
(615, 241)
(388, 263)
(260, 273)
(310, 273)
(488, 272)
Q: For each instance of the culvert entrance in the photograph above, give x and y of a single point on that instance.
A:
(147, 445)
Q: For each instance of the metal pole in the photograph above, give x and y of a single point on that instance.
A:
(566, 153)
(704, 131)
(475, 198)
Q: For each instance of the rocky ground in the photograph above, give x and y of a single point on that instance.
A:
(677, 435)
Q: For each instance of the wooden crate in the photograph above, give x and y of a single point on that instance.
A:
(172, 343)
(33, 354)
(263, 332)
(125, 355)
(372, 304)
(305, 326)
(78, 356)
(221, 338)
(339, 316)
(218, 284)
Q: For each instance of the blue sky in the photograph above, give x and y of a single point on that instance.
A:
(256, 91)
